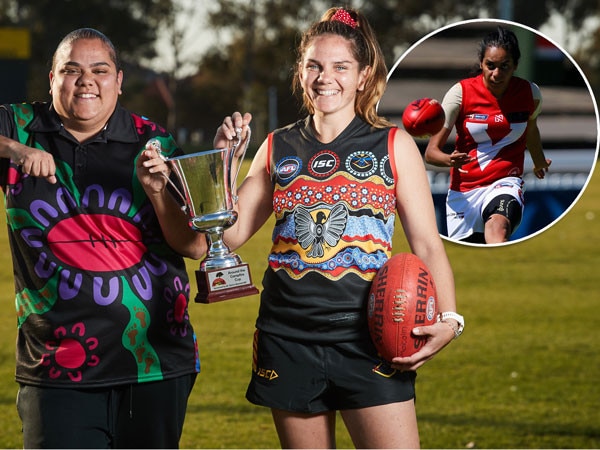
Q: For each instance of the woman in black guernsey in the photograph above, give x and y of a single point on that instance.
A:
(335, 182)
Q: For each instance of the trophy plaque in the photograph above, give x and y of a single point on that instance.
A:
(208, 180)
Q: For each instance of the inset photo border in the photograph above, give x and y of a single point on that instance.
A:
(567, 121)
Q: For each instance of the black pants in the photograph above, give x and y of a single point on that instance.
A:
(145, 415)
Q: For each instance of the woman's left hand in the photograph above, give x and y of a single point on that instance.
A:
(438, 336)
(540, 172)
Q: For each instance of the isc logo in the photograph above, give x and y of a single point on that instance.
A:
(323, 163)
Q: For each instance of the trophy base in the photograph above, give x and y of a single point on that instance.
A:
(224, 284)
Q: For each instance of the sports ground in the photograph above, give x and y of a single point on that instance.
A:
(523, 375)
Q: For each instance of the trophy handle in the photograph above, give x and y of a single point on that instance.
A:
(234, 148)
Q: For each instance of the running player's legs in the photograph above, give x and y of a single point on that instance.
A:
(487, 215)
(497, 229)
(502, 215)
(463, 215)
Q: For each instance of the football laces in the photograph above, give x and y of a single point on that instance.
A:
(399, 306)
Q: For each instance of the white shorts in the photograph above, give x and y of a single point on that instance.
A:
(464, 209)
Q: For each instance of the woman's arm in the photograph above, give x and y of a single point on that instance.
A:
(434, 153)
(34, 162)
(417, 215)
(153, 172)
(533, 138)
(255, 202)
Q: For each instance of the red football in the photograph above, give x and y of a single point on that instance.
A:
(423, 117)
(403, 296)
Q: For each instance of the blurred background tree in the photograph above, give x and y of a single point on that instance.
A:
(130, 24)
(250, 66)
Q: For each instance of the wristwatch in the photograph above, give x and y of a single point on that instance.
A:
(443, 316)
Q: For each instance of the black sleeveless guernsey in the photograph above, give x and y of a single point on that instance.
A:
(334, 206)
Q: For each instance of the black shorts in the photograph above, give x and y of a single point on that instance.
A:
(144, 415)
(312, 378)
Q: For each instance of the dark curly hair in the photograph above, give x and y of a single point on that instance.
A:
(500, 38)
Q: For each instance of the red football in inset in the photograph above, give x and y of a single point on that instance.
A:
(402, 297)
(423, 117)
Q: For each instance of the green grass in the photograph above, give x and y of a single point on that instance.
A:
(525, 374)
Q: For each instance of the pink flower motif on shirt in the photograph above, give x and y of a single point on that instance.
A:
(70, 352)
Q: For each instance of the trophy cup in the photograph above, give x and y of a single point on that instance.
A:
(209, 183)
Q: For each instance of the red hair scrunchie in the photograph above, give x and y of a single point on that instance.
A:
(341, 15)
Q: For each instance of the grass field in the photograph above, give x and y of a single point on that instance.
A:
(525, 374)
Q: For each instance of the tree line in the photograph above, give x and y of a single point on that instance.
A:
(251, 69)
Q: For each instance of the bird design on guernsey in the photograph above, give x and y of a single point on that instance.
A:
(313, 233)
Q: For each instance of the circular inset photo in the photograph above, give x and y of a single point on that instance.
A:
(507, 124)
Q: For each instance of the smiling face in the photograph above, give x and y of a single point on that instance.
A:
(498, 68)
(330, 75)
(85, 85)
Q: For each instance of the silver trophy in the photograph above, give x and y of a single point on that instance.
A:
(209, 183)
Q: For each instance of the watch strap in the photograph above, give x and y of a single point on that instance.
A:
(443, 316)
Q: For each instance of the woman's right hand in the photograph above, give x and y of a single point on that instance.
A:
(458, 159)
(33, 161)
(230, 127)
(152, 170)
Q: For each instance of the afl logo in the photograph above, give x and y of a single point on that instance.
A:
(361, 164)
(323, 164)
(287, 168)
